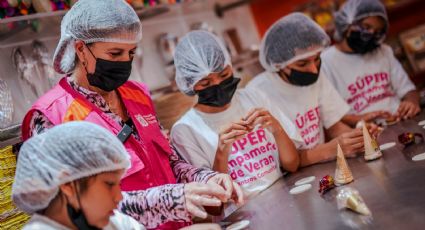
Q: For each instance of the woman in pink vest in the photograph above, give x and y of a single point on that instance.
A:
(97, 45)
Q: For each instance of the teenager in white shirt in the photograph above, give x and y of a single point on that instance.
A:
(364, 70)
(229, 130)
(290, 53)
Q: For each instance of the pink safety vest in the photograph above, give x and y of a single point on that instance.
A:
(150, 164)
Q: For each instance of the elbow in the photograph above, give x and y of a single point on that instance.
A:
(292, 167)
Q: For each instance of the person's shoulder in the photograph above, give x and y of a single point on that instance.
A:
(187, 122)
(39, 222)
(385, 50)
(142, 86)
(252, 95)
(122, 221)
(51, 96)
(329, 53)
(38, 226)
(187, 117)
(325, 82)
(261, 79)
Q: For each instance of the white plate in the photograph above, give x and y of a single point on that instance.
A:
(306, 180)
(387, 146)
(300, 189)
(419, 157)
(421, 123)
(239, 225)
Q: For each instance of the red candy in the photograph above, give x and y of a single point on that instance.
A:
(410, 138)
(326, 184)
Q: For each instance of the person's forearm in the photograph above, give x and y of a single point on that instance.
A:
(412, 96)
(185, 172)
(288, 154)
(337, 129)
(156, 206)
(320, 153)
(351, 120)
(220, 162)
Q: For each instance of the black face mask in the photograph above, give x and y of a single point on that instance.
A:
(219, 95)
(362, 42)
(78, 218)
(299, 78)
(109, 75)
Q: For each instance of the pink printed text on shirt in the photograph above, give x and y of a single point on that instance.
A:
(308, 125)
(369, 89)
(252, 157)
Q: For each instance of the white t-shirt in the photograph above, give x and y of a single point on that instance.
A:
(310, 107)
(254, 160)
(118, 221)
(370, 82)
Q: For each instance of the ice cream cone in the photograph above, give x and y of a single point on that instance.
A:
(342, 173)
(371, 146)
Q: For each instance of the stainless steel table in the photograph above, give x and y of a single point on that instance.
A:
(393, 187)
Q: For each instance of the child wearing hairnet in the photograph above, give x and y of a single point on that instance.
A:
(229, 130)
(364, 70)
(69, 178)
(293, 82)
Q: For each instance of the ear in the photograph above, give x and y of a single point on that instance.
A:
(68, 190)
(348, 31)
(285, 72)
(79, 50)
(228, 69)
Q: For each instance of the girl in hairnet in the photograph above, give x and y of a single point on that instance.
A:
(364, 70)
(79, 191)
(293, 82)
(96, 52)
(229, 130)
(69, 178)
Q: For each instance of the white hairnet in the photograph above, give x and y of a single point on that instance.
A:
(355, 10)
(63, 154)
(197, 55)
(292, 38)
(95, 21)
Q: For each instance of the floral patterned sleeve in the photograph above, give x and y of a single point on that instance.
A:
(155, 206)
(185, 172)
(39, 123)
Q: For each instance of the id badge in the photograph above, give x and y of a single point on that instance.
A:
(125, 133)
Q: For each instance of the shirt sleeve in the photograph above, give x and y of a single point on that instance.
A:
(156, 206)
(332, 106)
(326, 67)
(185, 172)
(184, 142)
(400, 81)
